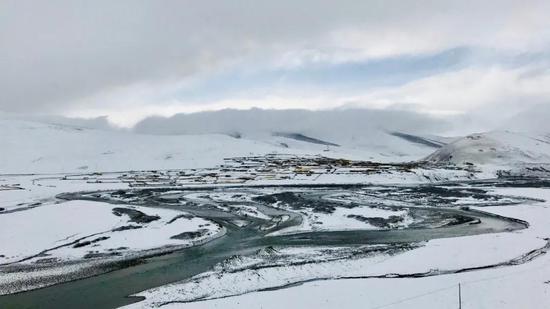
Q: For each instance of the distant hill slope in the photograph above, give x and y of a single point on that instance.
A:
(33, 147)
(370, 132)
(41, 147)
(498, 147)
(303, 138)
(433, 142)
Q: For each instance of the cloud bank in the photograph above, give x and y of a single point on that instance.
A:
(132, 59)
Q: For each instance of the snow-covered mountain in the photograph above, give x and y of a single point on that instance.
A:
(42, 147)
(497, 147)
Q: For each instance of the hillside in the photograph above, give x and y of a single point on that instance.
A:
(33, 147)
(41, 147)
(497, 147)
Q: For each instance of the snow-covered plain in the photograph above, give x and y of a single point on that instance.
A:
(341, 219)
(62, 230)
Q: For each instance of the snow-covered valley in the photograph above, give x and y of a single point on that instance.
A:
(199, 221)
(274, 154)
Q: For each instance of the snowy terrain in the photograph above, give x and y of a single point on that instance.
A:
(520, 286)
(32, 147)
(76, 229)
(78, 202)
(498, 147)
(38, 147)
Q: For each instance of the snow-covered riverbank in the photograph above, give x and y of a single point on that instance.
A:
(503, 284)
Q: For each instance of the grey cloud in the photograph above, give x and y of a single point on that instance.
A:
(532, 119)
(100, 123)
(55, 53)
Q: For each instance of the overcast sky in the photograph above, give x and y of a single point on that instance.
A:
(132, 59)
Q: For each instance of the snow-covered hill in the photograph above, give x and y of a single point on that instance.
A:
(382, 133)
(33, 147)
(42, 147)
(497, 147)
